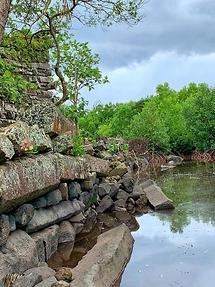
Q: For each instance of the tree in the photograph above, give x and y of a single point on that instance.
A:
(55, 18)
(4, 12)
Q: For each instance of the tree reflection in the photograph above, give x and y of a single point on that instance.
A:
(192, 189)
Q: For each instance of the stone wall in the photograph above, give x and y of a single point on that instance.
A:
(36, 73)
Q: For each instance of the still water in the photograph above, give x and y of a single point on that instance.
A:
(177, 248)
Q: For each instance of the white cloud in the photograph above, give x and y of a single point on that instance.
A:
(140, 79)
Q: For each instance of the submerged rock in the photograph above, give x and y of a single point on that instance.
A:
(105, 262)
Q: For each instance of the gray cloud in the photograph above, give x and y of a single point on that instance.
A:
(183, 26)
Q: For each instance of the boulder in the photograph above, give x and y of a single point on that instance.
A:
(24, 214)
(114, 189)
(47, 116)
(63, 143)
(157, 199)
(46, 242)
(100, 166)
(104, 189)
(41, 142)
(45, 217)
(64, 274)
(66, 232)
(128, 184)
(122, 195)
(21, 254)
(47, 282)
(54, 197)
(105, 262)
(6, 149)
(4, 229)
(105, 204)
(119, 170)
(29, 178)
(44, 272)
(137, 192)
(19, 134)
(40, 202)
(29, 280)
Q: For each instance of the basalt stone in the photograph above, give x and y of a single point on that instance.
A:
(43, 271)
(41, 202)
(104, 189)
(63, 143)
(63, 187)
(47, 282)
(18, 134)
(12, 222)
(105, 204)
(47, 116)
(103, 264)
(21, 252)
(46, 241)
(24, 214)
(54, 197)
(4, 229)
(29, 280)
(89, 198)
(137, 192)
(45, 217)
(40, 140)
(78, 222)
(66, 232)
(6, 149)
(119, 170)
(74, 190)
(122, 195)
(128, 184)
(114, 190)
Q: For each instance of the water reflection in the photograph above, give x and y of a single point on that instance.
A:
(177, 248)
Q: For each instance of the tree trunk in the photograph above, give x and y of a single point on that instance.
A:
(4, 11)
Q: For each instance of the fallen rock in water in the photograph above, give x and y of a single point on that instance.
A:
(105, 262)
(174, 160)
(157, 199)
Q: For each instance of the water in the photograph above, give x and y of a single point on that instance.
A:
(177, 248)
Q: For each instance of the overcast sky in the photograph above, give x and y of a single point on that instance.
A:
(174, 43)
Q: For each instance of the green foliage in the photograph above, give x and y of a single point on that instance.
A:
(12, 85)
(22, 47)
(113, 147)
(78, 146)
(170, 121)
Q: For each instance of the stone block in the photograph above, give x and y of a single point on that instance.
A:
(74, 190)
(105, 204)
(54, 197)
(24, 214)
(66, 232)
(6, 149)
